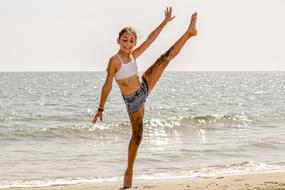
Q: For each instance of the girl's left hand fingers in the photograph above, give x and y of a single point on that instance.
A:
(168, 14)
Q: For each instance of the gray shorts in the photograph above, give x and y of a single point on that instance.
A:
(137, 99)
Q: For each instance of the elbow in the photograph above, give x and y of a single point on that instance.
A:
(151, 38)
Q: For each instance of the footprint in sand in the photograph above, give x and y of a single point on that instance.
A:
(149, 186)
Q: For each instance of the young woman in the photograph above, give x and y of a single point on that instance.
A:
(123, 67)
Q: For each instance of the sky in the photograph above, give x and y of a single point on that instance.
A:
(80, 35)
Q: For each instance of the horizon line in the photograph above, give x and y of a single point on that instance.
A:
(27, 71)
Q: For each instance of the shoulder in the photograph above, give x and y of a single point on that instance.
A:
(113, 63)
(114, 59)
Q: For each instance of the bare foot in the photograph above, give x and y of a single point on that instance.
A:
(128, 179)
(192, 31)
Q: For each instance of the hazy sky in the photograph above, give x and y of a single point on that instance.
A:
(80, 35)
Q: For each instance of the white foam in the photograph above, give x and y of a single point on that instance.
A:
(54, 182)
(246, 167)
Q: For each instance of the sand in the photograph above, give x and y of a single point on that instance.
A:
(265, 181)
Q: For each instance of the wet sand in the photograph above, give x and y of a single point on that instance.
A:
(260, 181)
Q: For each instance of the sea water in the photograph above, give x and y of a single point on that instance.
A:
(196, 124)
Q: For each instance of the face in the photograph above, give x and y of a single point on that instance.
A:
(127, 42)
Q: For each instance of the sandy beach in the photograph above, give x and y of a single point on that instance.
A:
(260, 181)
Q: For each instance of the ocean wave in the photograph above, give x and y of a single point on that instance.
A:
(39, 117)
(245, 167)
(233, 120)
(54, 182)
(53, 132)
(103, 129)
(237, 168)
(236, 119)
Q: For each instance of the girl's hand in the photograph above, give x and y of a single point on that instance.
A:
(98, 114)
(168, 15)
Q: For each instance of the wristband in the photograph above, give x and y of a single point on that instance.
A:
(100, 109)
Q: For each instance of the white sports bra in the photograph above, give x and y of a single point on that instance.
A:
(127, 69)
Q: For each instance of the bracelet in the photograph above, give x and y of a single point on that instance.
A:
(100, 109)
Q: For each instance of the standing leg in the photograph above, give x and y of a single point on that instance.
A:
(154, 72)
(137, 133)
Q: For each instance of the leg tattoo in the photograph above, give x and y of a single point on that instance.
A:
(153, 74)
(138, 133)
(163, 59)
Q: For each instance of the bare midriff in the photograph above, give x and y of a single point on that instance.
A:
(129, 85)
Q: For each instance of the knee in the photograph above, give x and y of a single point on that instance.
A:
(137, 138)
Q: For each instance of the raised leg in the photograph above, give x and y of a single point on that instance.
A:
(136, 119)
(154, 72)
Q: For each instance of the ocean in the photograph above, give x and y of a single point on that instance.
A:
(197, 124)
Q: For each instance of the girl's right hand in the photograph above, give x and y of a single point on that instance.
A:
(98, 114)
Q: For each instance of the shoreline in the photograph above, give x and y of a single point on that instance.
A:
(257, 181)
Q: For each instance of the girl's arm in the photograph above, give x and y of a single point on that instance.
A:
(153, 35)
(105, 90)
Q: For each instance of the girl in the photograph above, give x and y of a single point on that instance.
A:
(123, 67)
